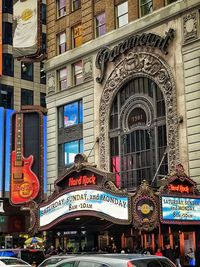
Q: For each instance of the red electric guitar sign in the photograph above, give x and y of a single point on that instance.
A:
(24, 183)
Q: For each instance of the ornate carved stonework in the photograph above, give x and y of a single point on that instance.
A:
(133, 102)
(87, 69)
(51, 84)
(190, 22)
(140, 64)
(145, 208)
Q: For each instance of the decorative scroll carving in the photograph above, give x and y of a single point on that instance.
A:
(51, 85)
(190, 22)
(145, 208)
(87, 69)
(140, 64)
(32, 207)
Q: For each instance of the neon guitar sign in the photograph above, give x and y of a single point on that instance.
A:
(25, 185)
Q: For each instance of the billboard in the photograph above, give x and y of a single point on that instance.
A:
(26, 21)
(0, 37)
(28, 164)
(182, 209)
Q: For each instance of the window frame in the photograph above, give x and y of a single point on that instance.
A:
(143, 5)
(166, 2)
(74, 38)
(98, 27)
(73, 5)
(8, 69)
(59, 44)
(77, 73)
(6, 33)
(59, 9)
(79, 148)
(9, 92)
(122, 15)
(62, 80)
(29, 94)
(25, 73)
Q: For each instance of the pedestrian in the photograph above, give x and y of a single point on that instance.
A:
(177, 256)
(168, 252)
(158, 252)
(191, 258)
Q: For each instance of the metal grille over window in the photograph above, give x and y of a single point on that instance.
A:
(138, 148)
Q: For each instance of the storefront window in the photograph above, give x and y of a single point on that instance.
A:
(140, 148)
(100, 22)
(122, 14)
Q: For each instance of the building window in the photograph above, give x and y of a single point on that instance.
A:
(7, 33)
(6, 96)
(26, 97)
(27, 71)
(61, 38)
(62, 79)
(44, 44)
(76, 4)
(42, 73)
(44, 13)
(71, 114)
(146, 7)
(61, 7)
(7, 6)
(138, 151)
(168, 2)
(122, 14)
(78, 72)
(8, 65)
(43, 100)
(100, 23)
(77, 36)
(71, 149)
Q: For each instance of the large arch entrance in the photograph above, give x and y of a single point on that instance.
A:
(134, 66)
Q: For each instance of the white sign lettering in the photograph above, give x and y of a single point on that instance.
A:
(85, 200)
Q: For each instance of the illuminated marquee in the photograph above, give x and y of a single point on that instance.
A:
(111, 205)
(182, 209)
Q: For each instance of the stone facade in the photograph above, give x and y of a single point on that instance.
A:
(179, 83)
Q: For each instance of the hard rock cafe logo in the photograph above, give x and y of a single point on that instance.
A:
(82, 180)
(145, 208)
(179, 188)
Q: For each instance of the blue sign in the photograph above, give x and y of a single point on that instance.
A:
(180, 208)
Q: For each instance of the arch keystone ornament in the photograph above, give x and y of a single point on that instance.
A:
(145, 208)
(134, 65)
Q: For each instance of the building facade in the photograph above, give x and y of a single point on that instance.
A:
(21, 84)
(123, 88)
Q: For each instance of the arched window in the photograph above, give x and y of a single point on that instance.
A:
(137, 133)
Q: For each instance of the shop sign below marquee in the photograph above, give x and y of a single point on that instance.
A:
(113, 206)
(180, 209)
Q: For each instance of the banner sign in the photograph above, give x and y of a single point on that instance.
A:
(25, 28)
(180, 209)
(114, 206)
